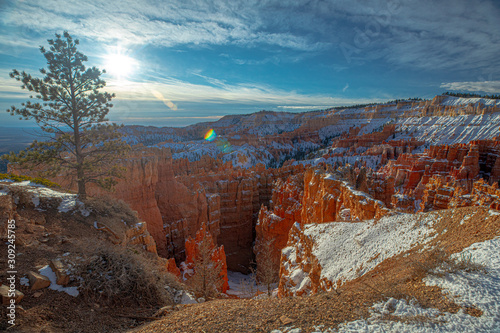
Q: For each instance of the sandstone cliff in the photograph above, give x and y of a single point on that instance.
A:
(274, 224)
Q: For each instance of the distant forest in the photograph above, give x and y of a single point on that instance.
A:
(357, 106)
(469, 95)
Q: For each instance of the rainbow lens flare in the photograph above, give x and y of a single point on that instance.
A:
(210, 135)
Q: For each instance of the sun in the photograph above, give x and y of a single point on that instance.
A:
(119, 65)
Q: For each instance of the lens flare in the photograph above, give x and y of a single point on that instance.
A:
(210, 135)
(224, 146)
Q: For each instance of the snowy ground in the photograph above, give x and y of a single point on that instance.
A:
(477, 288)
(244, 286)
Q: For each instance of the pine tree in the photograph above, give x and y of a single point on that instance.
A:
(72, 110)
(208, 263)
(268, 266)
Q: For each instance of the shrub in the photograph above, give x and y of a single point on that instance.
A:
(121, 276)
(21, 178)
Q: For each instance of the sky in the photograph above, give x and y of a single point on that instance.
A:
(179, 62)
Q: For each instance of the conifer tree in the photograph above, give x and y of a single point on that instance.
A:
(208, 263)
(268, 266)
(70, 107)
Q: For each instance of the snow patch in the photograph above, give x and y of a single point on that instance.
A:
(48, 272)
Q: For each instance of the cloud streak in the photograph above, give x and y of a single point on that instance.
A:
(148, 22)
(482, 86)
(179, 91)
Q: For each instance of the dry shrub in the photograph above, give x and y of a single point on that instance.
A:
(106, 206)
(429, 261)
(120, 276)
(112, 213)
(438, 262)
(465, 263)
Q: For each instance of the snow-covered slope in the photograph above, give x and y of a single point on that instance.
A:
(446, 130)
(346, 250)
(480, 289)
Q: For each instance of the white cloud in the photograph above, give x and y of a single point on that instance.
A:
(180, 91)
(150, 22)
(425, 34)
(491, 87)
(455, 35)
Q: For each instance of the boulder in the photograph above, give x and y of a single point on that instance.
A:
(6, 299)
(62, 278)
(38, 281)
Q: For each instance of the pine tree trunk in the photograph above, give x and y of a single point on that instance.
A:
(82, 193)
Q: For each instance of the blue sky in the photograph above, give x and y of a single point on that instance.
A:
(193, 61)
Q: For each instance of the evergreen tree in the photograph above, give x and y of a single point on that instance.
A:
(208, 278)
(268, 266)
(72, 110)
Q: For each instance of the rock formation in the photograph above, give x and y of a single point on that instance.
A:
(327, 198)
(217, 256)
(298, 257)
(274, 223)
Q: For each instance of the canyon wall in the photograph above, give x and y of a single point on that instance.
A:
(274, 223)
(175, 197)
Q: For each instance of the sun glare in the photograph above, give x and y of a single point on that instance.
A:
(119, 65)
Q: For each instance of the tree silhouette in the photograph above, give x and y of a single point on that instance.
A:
(72, 110)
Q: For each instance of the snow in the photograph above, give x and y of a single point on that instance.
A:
(244, 286)
(451, 100)
(476, 288)
(187, 298)
(346, 251)
(446, 130)
(288, 330)
(48, 272)
(68, 203)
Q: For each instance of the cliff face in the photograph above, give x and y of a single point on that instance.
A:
(300, 271)
(328, 199)
(311, 198)
(274, 223)
(138, 190)
(226, 202)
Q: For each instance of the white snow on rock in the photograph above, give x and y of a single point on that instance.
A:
(447, 130)
(48, 272)
(346, 250)
(69, 202)
(187, 298)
